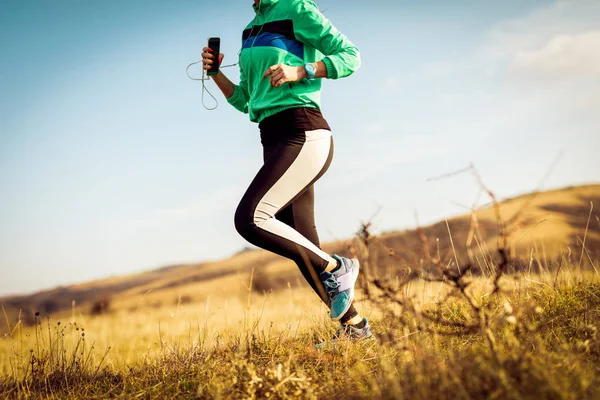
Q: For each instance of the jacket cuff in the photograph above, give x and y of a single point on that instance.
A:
(331, 71)
(237, 99)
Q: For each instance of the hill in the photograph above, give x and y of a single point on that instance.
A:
(549, 225)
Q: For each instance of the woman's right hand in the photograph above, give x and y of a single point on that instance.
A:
(226, 86)
(208, 58)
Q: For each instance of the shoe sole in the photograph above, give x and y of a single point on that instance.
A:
(351, 292)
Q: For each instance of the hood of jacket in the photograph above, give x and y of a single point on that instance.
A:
(264, 6)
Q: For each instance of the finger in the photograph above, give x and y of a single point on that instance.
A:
(275, 78)
(272, 69)
(277, 75)
(277, 81)
(207, 62)
(280, 82)
(274, 81)
(207, 56)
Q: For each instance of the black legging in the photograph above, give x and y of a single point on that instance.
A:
(277, 211)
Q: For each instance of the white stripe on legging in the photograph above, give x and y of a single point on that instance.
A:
(307, 165)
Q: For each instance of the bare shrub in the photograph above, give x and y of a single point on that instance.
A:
(100, 306)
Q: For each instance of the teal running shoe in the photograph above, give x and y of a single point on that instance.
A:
(353, 333)
(348, 332)
(339, 285)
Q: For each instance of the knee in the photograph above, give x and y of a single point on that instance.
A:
(243, 221)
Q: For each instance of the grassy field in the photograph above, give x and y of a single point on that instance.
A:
(544, 345)
(538, 339)
(466, 320)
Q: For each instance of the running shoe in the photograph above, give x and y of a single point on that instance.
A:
(353, 333)
(339, 285)
(348, 332)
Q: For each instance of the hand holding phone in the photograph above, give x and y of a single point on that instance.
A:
(214, 47)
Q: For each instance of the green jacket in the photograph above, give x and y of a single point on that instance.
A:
(291, 32)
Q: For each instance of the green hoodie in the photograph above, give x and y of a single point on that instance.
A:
(291, 32)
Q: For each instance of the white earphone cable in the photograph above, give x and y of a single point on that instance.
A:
(206, 78)
(203, 79)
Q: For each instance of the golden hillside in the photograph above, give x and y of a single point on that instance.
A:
(544, 225)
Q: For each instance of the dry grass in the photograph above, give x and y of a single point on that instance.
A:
(545, 330)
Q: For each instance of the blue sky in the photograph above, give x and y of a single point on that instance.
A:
(110, 165)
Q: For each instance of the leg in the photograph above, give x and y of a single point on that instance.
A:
(295, 164)
(300, 215)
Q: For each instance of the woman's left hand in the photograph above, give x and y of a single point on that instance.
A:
(281, 73)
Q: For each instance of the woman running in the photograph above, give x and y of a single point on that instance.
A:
(286, 50)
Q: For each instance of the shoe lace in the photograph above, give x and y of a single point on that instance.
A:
(331, 284)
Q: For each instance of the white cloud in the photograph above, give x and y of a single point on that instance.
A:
(545, 60)
(479, 106)
(563, 56)
(564, 17)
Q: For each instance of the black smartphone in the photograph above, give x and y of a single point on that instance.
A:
(214, 43)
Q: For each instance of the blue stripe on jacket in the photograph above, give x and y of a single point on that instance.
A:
(275, 40)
